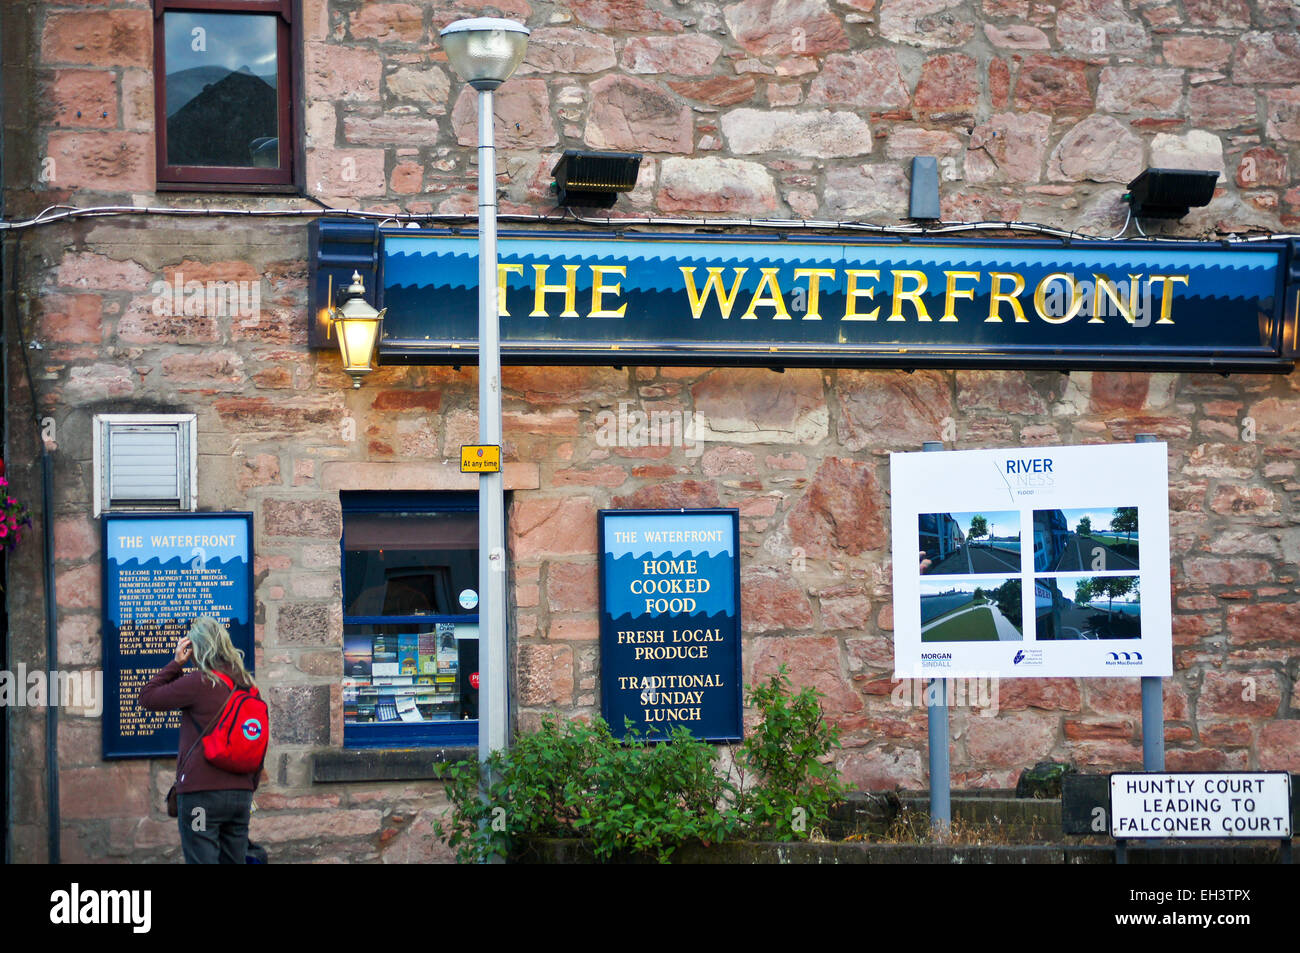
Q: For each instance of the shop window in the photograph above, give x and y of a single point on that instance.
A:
(224, 76)
(410, 620)
(145, 462)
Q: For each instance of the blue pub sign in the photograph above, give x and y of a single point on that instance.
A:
(670, 622)
(775, 300)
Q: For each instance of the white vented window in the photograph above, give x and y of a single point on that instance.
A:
(145, 462)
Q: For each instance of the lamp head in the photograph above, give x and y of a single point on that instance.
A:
(485, 51)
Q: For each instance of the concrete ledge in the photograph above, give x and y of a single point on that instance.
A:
(568, 851)
(1010, 812)
(366, 764)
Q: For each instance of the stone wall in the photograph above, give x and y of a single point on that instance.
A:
(805, 109)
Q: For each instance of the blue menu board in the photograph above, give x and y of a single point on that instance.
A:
(161, 572)
(670, 622)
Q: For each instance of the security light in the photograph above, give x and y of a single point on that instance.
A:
(1170, 193)
(594, 179)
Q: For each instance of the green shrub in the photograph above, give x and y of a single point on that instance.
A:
(788, 752)
(652, 798)
(629, 796)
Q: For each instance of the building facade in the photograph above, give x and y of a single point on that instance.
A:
(807, 110)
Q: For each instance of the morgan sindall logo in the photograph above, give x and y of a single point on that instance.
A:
(1018, 657)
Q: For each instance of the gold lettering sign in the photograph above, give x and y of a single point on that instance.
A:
(722, 287)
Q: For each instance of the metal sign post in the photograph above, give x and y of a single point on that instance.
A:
(936, 700)
(1153, 708)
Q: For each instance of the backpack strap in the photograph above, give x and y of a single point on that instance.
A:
(230, 683)
(185, 760)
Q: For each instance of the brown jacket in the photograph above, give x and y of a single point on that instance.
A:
(198, 700)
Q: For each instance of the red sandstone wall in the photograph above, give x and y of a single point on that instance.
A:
(1039, 111)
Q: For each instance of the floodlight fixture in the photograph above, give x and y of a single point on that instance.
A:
(1170, 193)
(594, 179)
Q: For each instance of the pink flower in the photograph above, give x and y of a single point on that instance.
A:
(4, 531)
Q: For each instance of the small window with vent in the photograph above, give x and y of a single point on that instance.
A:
(145, 462)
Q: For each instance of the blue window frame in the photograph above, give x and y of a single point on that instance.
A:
(410, 619)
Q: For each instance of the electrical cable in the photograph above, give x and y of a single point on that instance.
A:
(1127, 219)
(59, 213)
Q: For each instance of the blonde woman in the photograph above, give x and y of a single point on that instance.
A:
(213, 805)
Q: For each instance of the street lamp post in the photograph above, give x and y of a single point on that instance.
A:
(485, 51)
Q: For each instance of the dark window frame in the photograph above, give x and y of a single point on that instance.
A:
(454, 735)
(285, 178)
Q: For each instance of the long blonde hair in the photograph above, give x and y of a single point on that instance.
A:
(213, 651)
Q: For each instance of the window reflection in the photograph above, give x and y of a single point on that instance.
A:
(404, 564)
(221, 102)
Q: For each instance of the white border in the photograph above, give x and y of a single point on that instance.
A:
(1106, 475)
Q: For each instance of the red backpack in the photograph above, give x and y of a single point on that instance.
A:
(237, 743)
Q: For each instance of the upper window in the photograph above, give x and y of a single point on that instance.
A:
(223, 80)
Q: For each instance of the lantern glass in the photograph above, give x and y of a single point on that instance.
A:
(357, 337)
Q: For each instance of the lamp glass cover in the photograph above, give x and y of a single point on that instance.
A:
(357, 342)
(485, 51)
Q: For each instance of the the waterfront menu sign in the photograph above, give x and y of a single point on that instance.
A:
(601, 297)
(670, 622)
(1045, 561)
(161, 572)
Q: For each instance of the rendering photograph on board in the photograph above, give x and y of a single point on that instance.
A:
(970, 543)
(971, 610)
(1087, 607)
(1097, 539)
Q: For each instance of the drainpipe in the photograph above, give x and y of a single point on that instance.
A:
(51, 608)
(51, 657)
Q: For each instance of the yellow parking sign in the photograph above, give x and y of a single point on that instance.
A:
(476, 459)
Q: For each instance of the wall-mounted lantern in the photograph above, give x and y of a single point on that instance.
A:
(358, 327)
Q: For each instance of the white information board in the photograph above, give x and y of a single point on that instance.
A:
(1041, 561)
(1223, 804)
